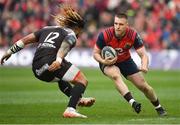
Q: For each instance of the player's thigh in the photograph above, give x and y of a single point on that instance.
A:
(40, 70)
(127, 67)
(138, 80)
(112, 71)
(80, 78)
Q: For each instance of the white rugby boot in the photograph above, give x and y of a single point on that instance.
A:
(72, 113)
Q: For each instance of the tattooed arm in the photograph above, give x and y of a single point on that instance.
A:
(66, 46)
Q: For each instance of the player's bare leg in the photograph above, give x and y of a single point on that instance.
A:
(138, 80)
(114, 73)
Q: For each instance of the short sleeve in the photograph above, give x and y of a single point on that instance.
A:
(138, 41)
(71, 39)
(100, 43)
(38, 33)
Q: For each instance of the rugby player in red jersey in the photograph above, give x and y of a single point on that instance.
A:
(122, 38)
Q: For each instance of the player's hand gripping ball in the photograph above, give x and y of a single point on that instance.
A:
(108, 52)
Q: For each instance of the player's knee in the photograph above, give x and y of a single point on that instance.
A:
(142, 80)
(146, 89)
(80, 78)
(85, 82)
(114, 76)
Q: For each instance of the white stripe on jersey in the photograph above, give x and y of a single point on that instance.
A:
(71, 73)
(70, 32)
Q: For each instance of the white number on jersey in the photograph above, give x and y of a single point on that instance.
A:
(51, 37)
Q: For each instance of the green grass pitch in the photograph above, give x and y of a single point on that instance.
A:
(24, 99)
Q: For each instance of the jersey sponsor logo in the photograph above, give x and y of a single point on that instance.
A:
(127, 45)
(48, 45)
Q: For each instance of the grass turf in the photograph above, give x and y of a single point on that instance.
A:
(24, 99)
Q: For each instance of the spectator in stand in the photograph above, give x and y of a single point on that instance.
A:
(31, 15)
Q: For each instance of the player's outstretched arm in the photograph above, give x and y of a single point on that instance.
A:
(18, 46)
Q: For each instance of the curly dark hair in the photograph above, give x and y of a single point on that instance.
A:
(69, 17)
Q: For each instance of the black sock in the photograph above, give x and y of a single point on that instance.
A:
(65, 87)
(156, 103)
(76, 94)
(128, 96)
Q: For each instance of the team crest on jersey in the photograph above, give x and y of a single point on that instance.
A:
(127, 45)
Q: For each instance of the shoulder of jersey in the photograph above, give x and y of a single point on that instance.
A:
(131, 32)
(70, 32)
(49, 27)
(108, 33)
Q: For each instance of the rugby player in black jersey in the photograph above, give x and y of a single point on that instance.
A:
(49, 64)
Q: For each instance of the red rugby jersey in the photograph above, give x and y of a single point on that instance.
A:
(123, 45)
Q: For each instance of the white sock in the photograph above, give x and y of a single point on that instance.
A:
(158, 106)
(71, 109)
(131, 101)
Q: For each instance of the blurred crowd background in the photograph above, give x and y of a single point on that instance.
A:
(157, 21)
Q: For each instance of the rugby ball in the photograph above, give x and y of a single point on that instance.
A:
(108, 52)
